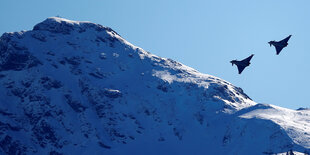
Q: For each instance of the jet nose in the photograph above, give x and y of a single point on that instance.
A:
(269, 43)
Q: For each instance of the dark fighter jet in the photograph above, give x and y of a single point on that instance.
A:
(279, 45)
(242, 64)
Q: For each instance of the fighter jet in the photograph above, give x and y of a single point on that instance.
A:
(242, 64)
(279, 45)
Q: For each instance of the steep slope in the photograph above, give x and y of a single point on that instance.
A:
(73, 87)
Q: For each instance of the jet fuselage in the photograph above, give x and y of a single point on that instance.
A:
(240, 63)
(279, 44)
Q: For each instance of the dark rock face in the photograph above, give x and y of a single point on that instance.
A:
(15, 56)
(49, 83)
(16, 61)
(45, 134)
(74, 104)
(11, 147)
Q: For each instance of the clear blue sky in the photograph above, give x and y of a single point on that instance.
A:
(202, 34)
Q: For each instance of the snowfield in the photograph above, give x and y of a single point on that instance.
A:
(72, 87)
(296, 123)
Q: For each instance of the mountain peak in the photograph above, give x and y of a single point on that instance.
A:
(65, 26)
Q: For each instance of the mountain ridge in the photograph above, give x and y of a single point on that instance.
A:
(79, 87)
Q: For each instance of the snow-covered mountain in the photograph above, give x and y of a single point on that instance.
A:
(71, 87)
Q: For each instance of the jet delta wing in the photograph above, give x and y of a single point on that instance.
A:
(278, 49)
(284, 41)
(248, 59)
